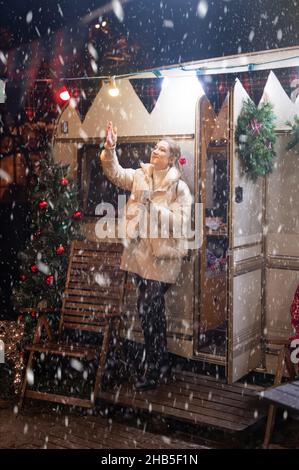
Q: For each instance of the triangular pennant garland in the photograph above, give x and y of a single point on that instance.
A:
(148, 91)
(216, 86)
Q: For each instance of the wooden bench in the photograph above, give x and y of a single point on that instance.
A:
(92, 302)
(280, 394)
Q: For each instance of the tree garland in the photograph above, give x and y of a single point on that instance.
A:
(294, 140)
(255, 137)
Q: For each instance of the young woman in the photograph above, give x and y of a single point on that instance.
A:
(164, 200)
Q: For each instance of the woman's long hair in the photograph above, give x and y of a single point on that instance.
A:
(175, 153)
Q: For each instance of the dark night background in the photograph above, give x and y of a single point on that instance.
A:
(161, 32)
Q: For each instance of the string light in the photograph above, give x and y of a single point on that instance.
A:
(113, 90)
(203, 69)
(64, 94)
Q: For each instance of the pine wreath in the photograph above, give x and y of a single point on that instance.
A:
(294, 140)
(255, 138)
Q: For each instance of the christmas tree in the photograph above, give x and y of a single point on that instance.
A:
(55, 221)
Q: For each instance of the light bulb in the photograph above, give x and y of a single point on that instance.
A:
(113, 90)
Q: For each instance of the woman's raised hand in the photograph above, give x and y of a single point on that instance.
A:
(111, 136)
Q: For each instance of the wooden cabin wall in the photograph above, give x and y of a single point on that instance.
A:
(245, 263)
(173, 115)
(220, 129)
(282, 253)
(281, 221)
(66, 144)
(66, 154)
(208, 131)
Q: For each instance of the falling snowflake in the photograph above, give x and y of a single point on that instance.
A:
(29, 17)
(59, 9)
(77, 365)
(202, 8)
(30, 376)
(118, 10)
(83, 134)
(168, 24)
(42, 267)
(3, 58)
(92, 51)
(102, 280)
(5, 176)
(251, 36)
(94, 66)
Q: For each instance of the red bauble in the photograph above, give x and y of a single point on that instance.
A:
(64, 182)
(60, 249)
(42, 204)
(182, 161)
(77, 215)
(34, 268)
(34, 314)
(23, 277)
(49, 280)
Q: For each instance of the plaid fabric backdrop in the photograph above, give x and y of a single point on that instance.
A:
(217, 86)
(148, 91)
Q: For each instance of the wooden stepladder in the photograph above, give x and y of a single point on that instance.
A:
(92, 302)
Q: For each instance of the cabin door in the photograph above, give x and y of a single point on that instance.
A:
(213, 194)
(245, 260)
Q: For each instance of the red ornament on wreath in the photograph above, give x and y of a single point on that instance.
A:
(23, 277)
(34, 268)
(255, 126)
(49, 280)
(42, 204)
(64, 182)
(60, 250)
(77, 215)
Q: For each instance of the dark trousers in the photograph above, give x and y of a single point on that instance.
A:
(151, 309)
